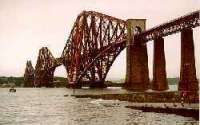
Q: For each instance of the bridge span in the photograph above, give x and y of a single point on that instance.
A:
(97, 39)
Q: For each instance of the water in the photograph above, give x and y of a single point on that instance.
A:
(48, 106)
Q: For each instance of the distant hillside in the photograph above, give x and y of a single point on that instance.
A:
(19, 81)
(171, 81)
(61, 81)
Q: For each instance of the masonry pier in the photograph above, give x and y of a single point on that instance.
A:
(188, 79)
(137, 78)
(159, 66)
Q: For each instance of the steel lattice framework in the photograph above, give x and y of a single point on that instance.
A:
(191, 20)
(29, 75)
(94, 42)
(45, 67)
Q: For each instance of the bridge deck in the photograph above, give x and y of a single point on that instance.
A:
(190, 20)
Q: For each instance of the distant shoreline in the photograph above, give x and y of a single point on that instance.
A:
(62, 82)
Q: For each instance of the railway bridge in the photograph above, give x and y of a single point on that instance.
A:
(97, 39)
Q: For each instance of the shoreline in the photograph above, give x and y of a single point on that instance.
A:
(147, 97)
(194, 113)
(160, 102)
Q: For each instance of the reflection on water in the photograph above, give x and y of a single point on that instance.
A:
(45, 106)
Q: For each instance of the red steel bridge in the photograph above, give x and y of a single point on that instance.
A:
(97, 39)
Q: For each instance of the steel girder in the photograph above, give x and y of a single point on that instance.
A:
(44, 69)
(94, 42)
(29, 75)
(190, 20)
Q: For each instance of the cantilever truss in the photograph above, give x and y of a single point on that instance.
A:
(44, 68)
(94, 43)
(29, 75)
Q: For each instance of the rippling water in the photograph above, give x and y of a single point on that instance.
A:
(45, 106)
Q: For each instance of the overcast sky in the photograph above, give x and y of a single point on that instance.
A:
(28, 25)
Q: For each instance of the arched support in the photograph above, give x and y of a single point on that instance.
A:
(44, 78)
(94, 43)
(159, 66)
(45, 67)
(188, 79)
(100, 83)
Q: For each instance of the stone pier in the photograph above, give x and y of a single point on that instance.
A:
(159, 82)
(137, 74)
(188, 79)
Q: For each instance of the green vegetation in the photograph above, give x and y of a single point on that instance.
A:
(173, 81)
(61, 81)
(19, 81)
(7, 81)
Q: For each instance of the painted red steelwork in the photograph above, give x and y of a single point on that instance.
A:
(45, 67)
(190, 20)
(95, 41)
(29, 75)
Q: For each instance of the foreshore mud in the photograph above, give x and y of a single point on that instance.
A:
(143, 97)
(159, 102)
(194, 113)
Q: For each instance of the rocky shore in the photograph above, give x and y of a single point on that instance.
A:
(143, 97)
(186, 112)
(159, 102)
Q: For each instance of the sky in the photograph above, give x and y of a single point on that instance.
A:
(28, 25)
